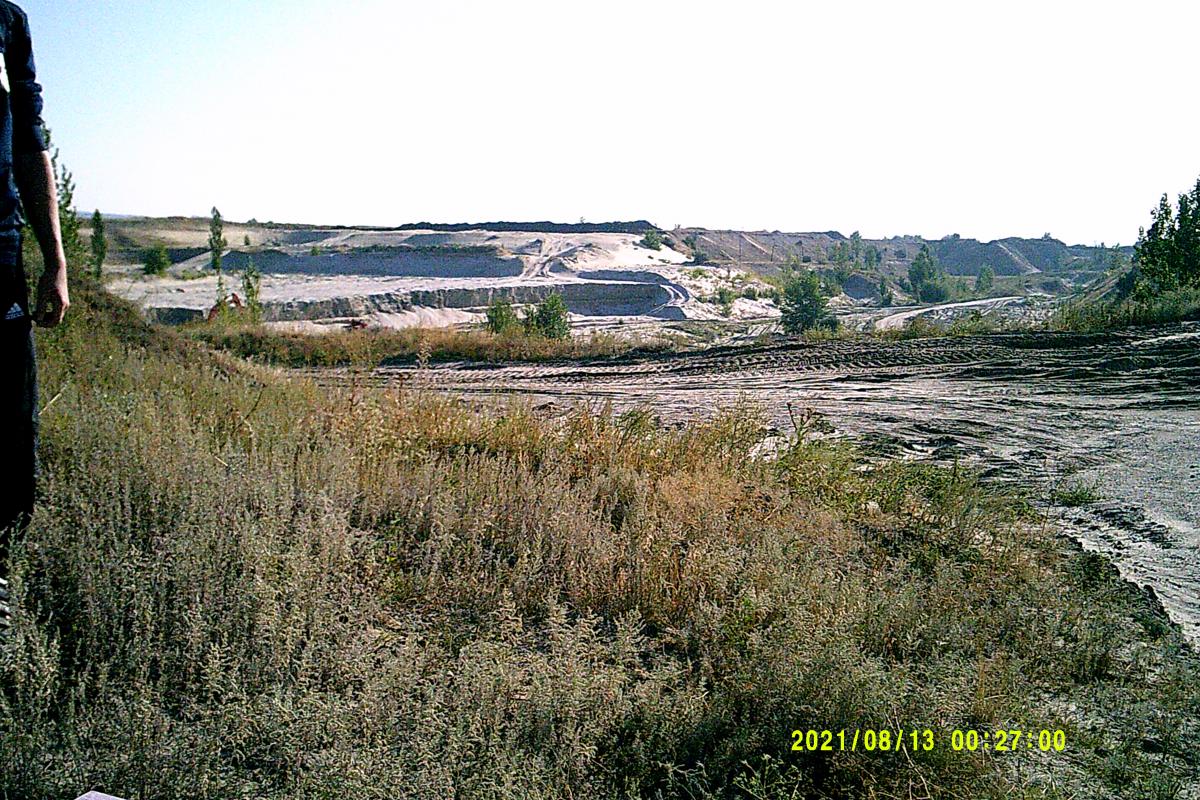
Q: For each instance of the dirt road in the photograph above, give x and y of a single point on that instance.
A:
(1121, 411)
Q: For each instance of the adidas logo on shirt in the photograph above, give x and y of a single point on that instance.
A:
(16, 312)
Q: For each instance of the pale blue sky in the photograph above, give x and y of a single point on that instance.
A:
(984, 119)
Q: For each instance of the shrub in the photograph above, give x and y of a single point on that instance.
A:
(501, 318)
(550, 319)
(1076, 494)
(156, 260)
(652, 240)
(802, 303)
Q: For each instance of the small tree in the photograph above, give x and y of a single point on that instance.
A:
(99, 243)
(156, 260)
(802, 303)
(653, 240)
(501, 318)
(985, 280)
(1168, 252)
(216, 248)
(925, 277)
(251, 288)
(550, 319)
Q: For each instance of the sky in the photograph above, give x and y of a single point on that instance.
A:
(985, 119)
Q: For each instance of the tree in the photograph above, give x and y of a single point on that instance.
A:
(550, 319)
(501, 318)
(926, 277)
(985, 280)
(802, 303)
(156, 260)
(99, 243)
(216, 247)
(251, 288)
(1167, 254)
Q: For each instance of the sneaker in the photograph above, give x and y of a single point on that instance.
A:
(5, 610)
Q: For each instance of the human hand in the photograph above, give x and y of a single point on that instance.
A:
(53, 299)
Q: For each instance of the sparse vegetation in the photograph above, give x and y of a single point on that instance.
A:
(652, 240)
(1075, 494)
(243, 585)
(1156, 309)
(375, 346)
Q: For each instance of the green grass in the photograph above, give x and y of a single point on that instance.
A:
(1100, 315)
(1076, 494)
(244, 585)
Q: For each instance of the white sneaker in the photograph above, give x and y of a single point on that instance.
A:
(5, 610)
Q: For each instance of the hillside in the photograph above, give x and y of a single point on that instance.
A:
(1012, 256)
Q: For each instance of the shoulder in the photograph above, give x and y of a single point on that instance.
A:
(14, 26)
(12, 17)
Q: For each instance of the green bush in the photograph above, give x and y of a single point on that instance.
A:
(550, 319)
(501, 318)
(653, 240)
(802, 303)
(156, 260)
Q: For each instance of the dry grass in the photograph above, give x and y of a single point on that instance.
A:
(372, 347)
(243, 586)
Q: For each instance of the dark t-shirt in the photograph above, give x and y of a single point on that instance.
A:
(21, 133)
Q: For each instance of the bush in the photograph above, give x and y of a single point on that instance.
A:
(550, 319)
(156, 260)
(501, 318)
(1170, 306)
(653, 240)
(802, 303)
(933, 292)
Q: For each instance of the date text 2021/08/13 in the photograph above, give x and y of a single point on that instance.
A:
(1010, 740)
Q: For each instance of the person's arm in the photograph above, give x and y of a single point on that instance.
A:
(35, 182)
(34, 174)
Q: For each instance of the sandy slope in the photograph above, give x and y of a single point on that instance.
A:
(401, 278)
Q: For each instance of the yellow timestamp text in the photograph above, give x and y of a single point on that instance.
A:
(925, 740)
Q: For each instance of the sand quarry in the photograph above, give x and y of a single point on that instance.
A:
(313, 279)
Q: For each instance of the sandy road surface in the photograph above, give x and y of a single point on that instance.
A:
(1122, 410)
